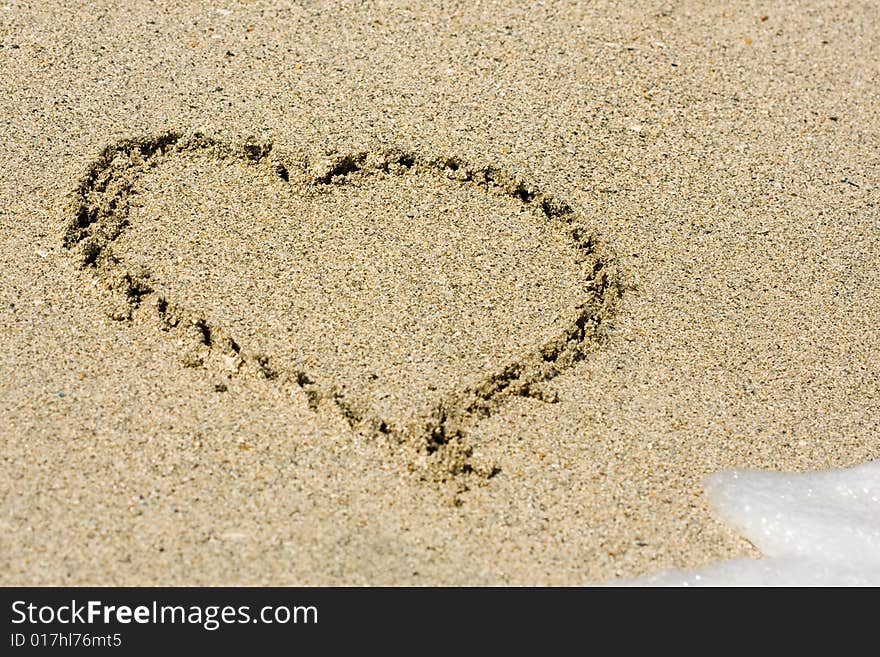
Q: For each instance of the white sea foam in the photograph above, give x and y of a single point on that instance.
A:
(814, 529)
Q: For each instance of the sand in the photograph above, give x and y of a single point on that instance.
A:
(392, 295)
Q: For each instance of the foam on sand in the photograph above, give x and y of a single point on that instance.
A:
(816, 529)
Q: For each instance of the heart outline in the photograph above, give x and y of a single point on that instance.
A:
(97, 214)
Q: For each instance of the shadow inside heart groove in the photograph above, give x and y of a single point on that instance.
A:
(414, 293)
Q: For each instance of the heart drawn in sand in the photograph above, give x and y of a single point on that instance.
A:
(412, 293)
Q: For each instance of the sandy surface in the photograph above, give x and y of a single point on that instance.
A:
(413, 370)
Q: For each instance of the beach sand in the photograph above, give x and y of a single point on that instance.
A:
(389, 295)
